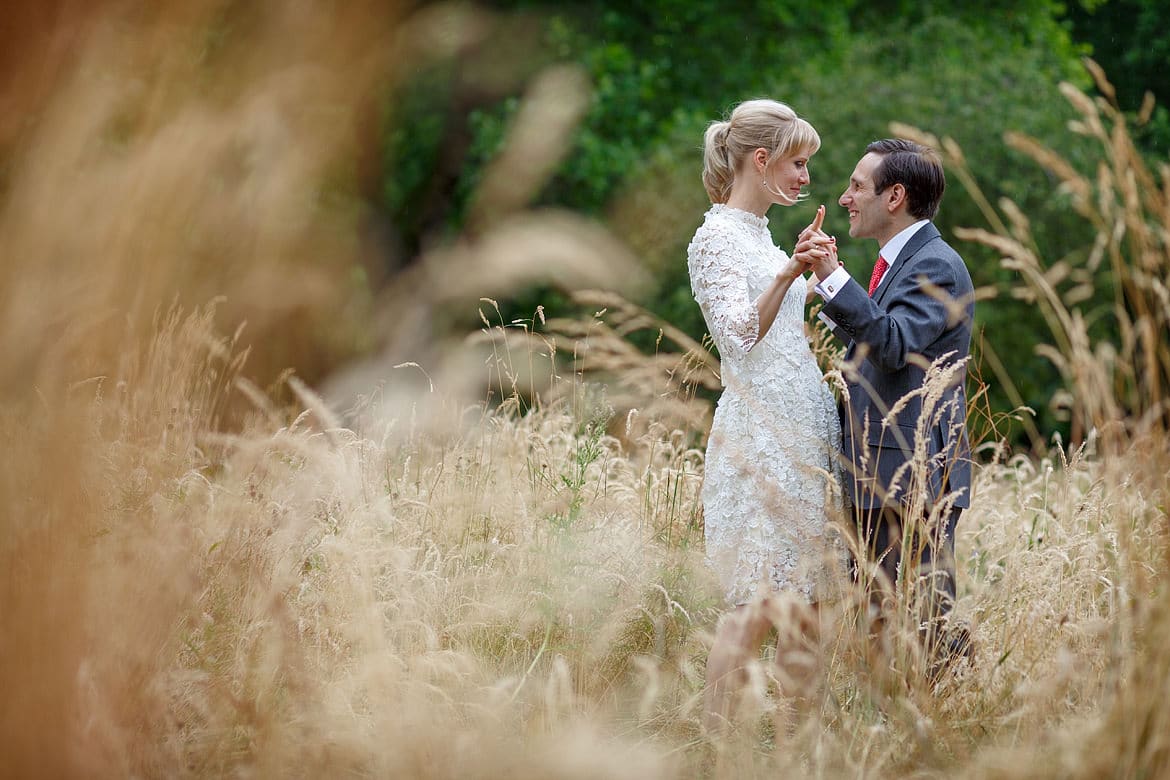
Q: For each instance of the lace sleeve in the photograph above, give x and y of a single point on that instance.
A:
(720, 286)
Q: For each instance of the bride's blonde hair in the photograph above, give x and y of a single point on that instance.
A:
(753, 124)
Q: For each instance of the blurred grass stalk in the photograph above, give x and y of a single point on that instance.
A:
(196, 581)
(152, 159)
(1117, 392)
(1117, 396)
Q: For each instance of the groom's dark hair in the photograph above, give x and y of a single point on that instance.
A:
(915, 167)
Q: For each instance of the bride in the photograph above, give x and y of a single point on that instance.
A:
(775, 435)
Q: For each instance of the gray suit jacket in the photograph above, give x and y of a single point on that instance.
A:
(904, 319)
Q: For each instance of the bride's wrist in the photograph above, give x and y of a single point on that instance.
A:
(791, 271)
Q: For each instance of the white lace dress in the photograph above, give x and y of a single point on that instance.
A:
(773, 443)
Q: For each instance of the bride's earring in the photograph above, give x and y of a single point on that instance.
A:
(784, 197)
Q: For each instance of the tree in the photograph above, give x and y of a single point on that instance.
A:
(662, 69)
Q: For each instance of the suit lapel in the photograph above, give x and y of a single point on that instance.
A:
(903, 263)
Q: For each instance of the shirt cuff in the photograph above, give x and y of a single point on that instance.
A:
(832, 284)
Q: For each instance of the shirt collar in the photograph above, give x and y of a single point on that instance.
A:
(895, 245)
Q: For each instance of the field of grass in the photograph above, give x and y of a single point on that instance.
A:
(201, 577)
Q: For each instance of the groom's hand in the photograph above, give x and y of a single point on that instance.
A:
(823, 266)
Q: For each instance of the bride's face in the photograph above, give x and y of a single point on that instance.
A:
(786, 177)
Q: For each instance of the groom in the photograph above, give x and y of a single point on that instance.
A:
(917, 311)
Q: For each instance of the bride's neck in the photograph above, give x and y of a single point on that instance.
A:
(748, 199)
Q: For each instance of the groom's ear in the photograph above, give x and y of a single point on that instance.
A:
(895, 197)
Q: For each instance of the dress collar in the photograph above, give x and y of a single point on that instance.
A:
(746, 217)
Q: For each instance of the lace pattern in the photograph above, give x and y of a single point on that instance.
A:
(771, 451)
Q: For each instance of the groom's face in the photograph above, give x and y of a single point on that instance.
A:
(867, 215)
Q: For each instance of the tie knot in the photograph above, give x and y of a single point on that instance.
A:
(879, 268)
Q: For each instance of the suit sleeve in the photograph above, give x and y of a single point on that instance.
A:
(914, 319)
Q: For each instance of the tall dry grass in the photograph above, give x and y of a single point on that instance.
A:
(449, 587)
(1115, 393)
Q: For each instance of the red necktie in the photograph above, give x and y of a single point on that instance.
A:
(879, 268)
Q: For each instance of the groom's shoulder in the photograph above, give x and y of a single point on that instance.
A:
(949, 258)
(934, 243)
(934, 255)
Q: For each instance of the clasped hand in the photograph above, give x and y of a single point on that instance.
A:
(815, 250)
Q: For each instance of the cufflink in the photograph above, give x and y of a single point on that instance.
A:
(831, 288)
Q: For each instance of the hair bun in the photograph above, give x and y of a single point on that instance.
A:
(752, 124)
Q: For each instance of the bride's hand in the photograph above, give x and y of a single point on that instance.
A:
(814, 248)
(815, 225)
(792, 270)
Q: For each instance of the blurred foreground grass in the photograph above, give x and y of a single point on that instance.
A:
(515, 595)
(202, 577)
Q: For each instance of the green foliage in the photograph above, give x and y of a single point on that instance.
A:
(661, 70)
(416, 123)
(955, 79)
(1128, 39)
